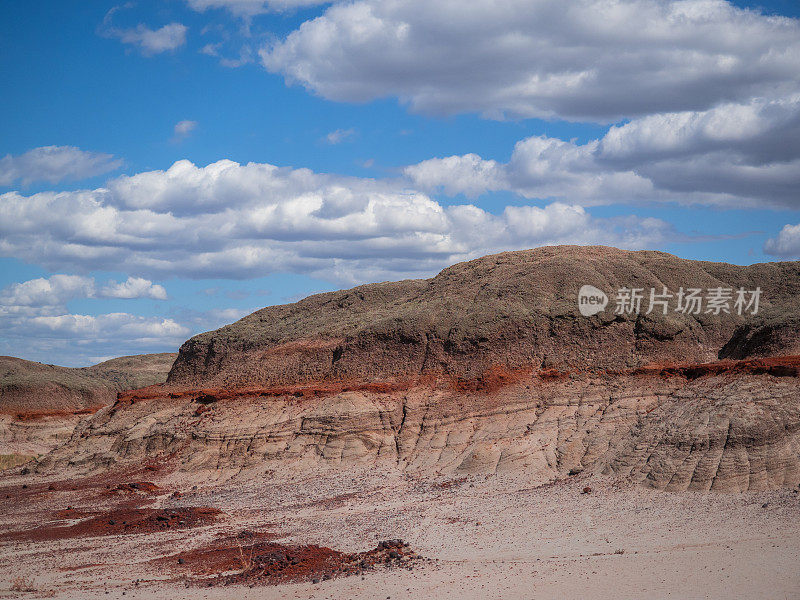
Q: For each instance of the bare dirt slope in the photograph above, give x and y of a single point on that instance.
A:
(722, 427)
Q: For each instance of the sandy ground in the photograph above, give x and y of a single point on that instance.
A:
(482, 537)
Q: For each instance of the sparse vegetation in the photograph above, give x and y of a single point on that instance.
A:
(246, 561)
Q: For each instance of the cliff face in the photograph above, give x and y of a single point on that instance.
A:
(516, 309)
(731, 427)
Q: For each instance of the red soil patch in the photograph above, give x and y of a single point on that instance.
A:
(206, 397)
(135, 487)
(119, 521)
(446, 485)
(552, 375)
(35, 415)
(491, 381)
(261, 562)
(80, 567)
(70, 513)
(779, 366)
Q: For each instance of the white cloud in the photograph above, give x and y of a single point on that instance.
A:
(787, 244)
(339, 135)
(236, 221)
(249, 8)
(149, 41)
(246, 56)
(35, 322)
(50, 295)
(54, 164)
(44, 295)
(468, 174)
(77, 339)
(211, 49)
(597, 60)
(155, 41)
(183, 129)
(133, 328)
(134, 287)
(743, 155)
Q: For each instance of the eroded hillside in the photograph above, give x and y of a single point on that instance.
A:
(486, 368)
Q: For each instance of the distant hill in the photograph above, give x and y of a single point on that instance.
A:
(31, 387)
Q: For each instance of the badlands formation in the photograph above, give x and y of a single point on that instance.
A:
(518, 448)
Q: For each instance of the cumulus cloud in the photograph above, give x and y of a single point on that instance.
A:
(154, 41)
(54, 164)
(134, 287)
(742, 155)
(595, 60)
(468, 174)
(34, 317)
(132, 328)
(237, 221)
(250, 8)
(44, 295)
(787, 244)
(77, 339)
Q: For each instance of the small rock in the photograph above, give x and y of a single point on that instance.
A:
(586, 490)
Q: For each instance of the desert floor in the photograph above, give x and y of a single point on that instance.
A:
(480, 536)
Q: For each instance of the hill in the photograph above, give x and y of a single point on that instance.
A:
(33, 387)
(515, 309)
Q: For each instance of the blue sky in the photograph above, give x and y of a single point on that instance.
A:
(366, 141)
